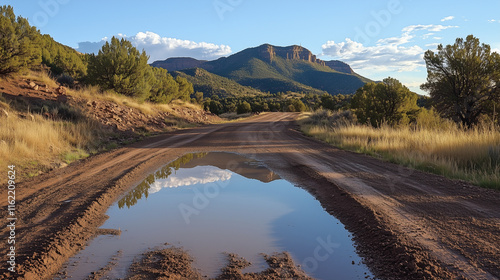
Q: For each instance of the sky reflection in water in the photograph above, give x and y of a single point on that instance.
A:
(200, 203)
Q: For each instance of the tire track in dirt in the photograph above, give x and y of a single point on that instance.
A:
(408, 224)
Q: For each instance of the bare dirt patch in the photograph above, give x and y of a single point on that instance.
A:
(174, 263)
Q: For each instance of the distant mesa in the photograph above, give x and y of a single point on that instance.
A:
(178, 63)
(294, 52)
(340, 66)
(274, 69)
(267, 52)
(300, 53)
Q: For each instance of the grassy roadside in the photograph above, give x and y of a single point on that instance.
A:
(471, 155)
(36, 144)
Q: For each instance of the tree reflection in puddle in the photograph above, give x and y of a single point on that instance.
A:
(211, 203)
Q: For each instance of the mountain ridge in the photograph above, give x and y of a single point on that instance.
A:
(290, 52)
(211, 84)
(276, 69)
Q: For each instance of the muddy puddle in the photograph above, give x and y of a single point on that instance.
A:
(211, 204)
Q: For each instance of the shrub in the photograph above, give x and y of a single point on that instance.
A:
(387, 102)
(243, 108)
(120, 67)
(66, 80)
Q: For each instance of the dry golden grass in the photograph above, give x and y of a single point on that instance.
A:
(148, 108)
(40, 76)
(39, 143)
(95, 93)
(472, 155)
(34, 143)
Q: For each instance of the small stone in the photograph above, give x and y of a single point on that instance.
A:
(61, 90)
(4, 113)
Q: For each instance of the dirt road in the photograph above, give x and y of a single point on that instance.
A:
(407, 224)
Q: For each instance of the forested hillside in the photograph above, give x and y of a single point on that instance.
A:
(118, 66)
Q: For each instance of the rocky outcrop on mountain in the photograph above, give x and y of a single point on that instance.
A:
(340, 66)
(269, 52)
(266, 52)
(178, 63)
(274, 69)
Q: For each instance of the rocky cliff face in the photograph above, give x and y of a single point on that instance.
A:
(178, 63)
(339, 66)
(265, 52)
(268, 53)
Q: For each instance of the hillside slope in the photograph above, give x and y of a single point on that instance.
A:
(46, 126)
(212, 84)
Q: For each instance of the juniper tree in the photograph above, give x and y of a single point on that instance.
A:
(18, 42)
(463, 79)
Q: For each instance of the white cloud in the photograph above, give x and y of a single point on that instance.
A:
(494, 20)
(448, 18)
(413, 84)
(191, 176)
(432, 45)
(429, 27)
(388, 54)
(381, 57)
(160, 48)
(405, 38)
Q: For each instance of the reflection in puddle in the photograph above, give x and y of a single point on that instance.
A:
(211, 203)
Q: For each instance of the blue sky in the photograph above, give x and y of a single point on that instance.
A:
(377, 38)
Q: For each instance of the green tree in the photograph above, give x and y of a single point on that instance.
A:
(62, 59)
(215, 107)
(244, 107)
(463, 79)
(334, 102)
(163, 86)
(387, 102)
(198, 96)
(295, 105)
(18, 42)
(290, 108)
(185, 88)
(119, 66)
